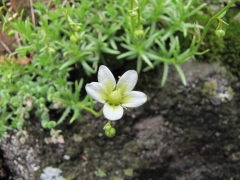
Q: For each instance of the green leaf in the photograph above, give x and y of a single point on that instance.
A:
(109, 51)
(67, 64)
(145, 58)
(196, 10)
(181, 73)
(78, 87)
(126, 54)
(64, 115)
(76, 112)
(87, 68)
(165, 74)
(139, 64)
(51, 124)
(113, 44)
(201, 53)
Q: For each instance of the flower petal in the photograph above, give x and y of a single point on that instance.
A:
(127, 81)
(112, 112)
(97, 91)
(134, 99)
(106, 78)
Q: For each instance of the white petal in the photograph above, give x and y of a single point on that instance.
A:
(134, 99)
(127, 81)
(106, 78)
(112, 112)
(97, 91)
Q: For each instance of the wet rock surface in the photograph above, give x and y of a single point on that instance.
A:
(181, 133)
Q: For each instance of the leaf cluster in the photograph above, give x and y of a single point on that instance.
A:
(162, 23)
(63, 37)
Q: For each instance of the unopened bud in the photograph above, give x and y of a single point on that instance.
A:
(51, 51)
(220, 33)
(75, 37)
(75, 27)
(11, 33)
(139, 33)
(110, 132)
(132, 13)
(142, 20)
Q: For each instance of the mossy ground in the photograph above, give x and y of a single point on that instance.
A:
(225, 49)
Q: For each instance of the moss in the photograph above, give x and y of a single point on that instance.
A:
(209, 88)
(211, 42)
(226, 49)
(231, 56)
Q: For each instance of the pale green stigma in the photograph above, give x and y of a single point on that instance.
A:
(115, 97)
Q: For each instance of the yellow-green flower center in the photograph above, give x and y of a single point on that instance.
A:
(115, 97)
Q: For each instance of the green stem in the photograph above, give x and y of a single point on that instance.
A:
(107, 125)
(139, 14)
(132, 18)
(68, 23)
(132, 23)
(97, 114)
(45, 38)
(194, 51)
(210, 22)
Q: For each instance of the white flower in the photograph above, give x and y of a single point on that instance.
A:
(114, 96)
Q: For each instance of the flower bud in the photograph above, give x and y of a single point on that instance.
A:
(11, 33)
(139, 33)
(51, 51)
(107, 127)
(220, 33)
(75, 38)
(142, 20)
(75, 27)
(132, 13)
(110, 132)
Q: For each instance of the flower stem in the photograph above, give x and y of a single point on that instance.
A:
(210, 22)
(97, 114)
(67, 20)
(132, 18)
(194, 51)
(139, 13)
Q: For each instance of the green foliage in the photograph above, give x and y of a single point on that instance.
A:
(43, 85)
(150, 35)
(211, 42)
(225, 49)
(66, 37)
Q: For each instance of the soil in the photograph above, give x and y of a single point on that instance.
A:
(181, 133)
